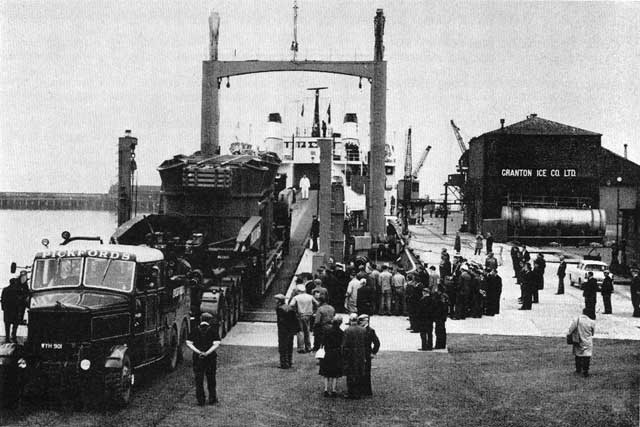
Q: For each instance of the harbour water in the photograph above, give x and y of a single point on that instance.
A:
(23, 231)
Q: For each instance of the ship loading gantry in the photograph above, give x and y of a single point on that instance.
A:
(375, 71)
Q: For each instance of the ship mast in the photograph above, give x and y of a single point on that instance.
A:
(315, 129)
(294, 43)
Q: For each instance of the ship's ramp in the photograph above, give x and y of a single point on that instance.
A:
(300, 227)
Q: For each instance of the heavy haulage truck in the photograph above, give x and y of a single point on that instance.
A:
(99, 313)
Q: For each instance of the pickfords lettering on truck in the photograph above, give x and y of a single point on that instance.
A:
(96, 315)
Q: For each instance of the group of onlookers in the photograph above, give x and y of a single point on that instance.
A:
(531, 280)
(473, 289)
(340, 352)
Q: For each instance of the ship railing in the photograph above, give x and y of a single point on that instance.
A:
(549, 202)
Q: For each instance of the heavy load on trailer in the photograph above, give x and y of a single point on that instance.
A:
(221, 216)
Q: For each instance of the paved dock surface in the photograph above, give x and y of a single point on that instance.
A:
(549, 318)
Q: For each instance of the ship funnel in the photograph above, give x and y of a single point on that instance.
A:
(350, 118)
(273, 138)
(275, 118)
(350, 127)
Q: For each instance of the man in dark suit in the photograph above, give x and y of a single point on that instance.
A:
(353, 356)
(315, 233)
(494, 290)
(11, 308)
(203, 342)
(527, 285)
(606, 291)
(372, 345)
(562, 271)
(589, 292)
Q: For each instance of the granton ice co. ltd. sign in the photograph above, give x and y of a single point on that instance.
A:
(540, 173)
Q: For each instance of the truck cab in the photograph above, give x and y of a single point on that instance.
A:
(97, 313)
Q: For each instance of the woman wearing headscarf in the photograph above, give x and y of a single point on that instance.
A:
(331, 363)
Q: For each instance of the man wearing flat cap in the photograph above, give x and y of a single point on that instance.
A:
(354, 356)
(203, 342)
(287, 328)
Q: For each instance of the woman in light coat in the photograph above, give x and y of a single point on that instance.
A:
(583, 328)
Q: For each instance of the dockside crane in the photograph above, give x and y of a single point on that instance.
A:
(425, 153)
(409, 187)
(456, 182)
(461, 143)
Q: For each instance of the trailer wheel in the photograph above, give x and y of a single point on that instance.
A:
(173, 356)
(118, 383)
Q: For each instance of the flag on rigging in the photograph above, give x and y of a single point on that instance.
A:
(302, 111)
(329, 114)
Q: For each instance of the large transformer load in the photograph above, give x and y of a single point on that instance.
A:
(219, 216)
(220, 193)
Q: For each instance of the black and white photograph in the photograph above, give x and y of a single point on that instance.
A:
(320, 213)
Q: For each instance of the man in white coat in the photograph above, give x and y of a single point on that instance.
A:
(304, 187)
(583, 328)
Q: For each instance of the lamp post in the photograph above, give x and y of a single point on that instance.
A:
(619, 181)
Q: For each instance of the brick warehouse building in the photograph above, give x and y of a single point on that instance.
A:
(545, 164)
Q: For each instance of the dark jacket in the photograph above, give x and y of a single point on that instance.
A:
(562, 269)
(425, 313)
(529, 281)
(489, 243)
(538, 275)
(372, 344)
(315, 228)
(607, 286)
(354, 353)
(445, 268)
(287, 320)
(365, 301)
(12, 301)
(590, 289)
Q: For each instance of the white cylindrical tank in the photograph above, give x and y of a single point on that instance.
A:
(556, 221)
(273, 140)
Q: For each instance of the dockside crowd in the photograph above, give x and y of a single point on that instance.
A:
(456, 288)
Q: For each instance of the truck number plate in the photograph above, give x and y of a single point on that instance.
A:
(50, 346)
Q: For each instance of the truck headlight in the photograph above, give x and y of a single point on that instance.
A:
(22, 363)
(85, 364)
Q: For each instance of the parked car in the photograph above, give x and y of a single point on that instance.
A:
(578, 275)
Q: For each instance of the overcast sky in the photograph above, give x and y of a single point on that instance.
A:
(75, 74)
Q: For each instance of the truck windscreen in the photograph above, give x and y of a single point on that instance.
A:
(56, 272)
(110, 274)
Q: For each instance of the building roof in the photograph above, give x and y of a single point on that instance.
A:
(534, 125)
(614, 165)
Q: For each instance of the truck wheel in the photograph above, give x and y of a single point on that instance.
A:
(9, 391)
(118, 383)
(173, 356)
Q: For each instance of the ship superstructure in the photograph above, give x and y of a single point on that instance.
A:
(300, 156)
